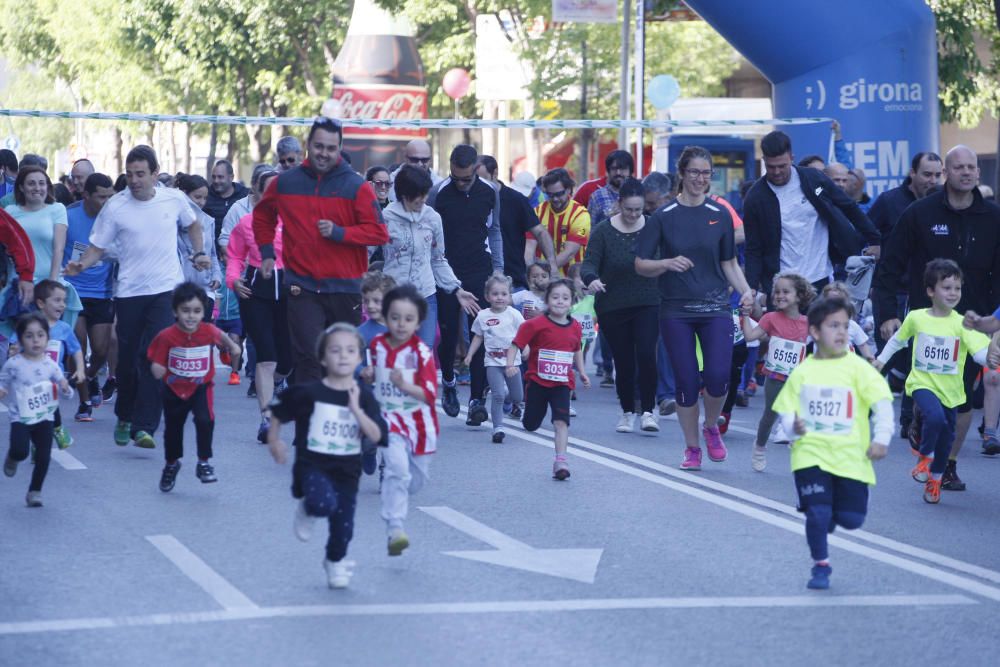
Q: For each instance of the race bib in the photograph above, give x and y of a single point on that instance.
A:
(783, 355)
(827, 409)
(189, 362)
(333, 429)
(554, 365)
(391, 397)
(38, 402)
(737, 328)
(936, 354)
(586, 321)
(54, 350)
(77, 252)
(499, 354)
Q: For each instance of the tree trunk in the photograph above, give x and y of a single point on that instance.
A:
(213, 140)
(118, 150)
(231, 144)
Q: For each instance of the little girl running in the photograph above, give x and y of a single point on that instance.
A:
(31, 382)
(555, 341)
(786, 330)
(495, 329)
(336, 419)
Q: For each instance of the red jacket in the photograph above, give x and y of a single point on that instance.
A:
(18, 245)
(301, 197)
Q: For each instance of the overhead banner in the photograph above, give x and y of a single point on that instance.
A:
(585, 11)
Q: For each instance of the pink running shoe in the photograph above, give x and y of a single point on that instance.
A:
(713, 443)
(692, 459)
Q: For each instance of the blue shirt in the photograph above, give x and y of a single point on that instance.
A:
(368, 330)
(95, 282)
(62, 343)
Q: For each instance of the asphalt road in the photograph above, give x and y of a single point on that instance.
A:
(631, 561)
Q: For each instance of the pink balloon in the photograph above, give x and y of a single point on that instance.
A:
(456, 83)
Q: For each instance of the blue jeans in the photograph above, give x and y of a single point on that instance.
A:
(428, 328)
(665, 387)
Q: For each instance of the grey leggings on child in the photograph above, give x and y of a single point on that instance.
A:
(500, 386)
(772, 388)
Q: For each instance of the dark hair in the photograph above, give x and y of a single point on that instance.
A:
(259, 170)
(225, 163)
(22, 176)
(619, 158)
(561, 282)
(412, 182)
(96, 180)
(804, 162)
(370, 174)
(804, 290)
(463, 156)
(490, 163)
(168, 180)
(24, 320)
(657, 182)
(8, 159)
(187, 291)
(188, 183)
(824, 307)
(336, 328)
(326, 124)
(376, 280)
(121, 183)
(405, 292)
(542, 266)
(691, 153)
(264, 178)
(775, 143)
(33, 160)
(143, 153)
(45, 288)
(558, 175)
(632, 187)
(62, 194)
(939, 269)
(930, 155)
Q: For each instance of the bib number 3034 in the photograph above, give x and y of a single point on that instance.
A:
(936, 354)
(828, 410)
(783, 355)
(554, 365)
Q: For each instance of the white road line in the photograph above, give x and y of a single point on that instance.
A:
(489, 607)
(747, 496)
(223, 592)
(67, 460)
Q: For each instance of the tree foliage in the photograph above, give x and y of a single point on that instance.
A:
(969, 87)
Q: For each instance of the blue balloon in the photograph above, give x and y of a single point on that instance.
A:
(663, 90)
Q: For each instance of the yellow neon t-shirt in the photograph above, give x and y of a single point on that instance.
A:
(939, 347)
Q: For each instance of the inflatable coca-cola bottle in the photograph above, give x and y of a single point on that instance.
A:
(378, 74)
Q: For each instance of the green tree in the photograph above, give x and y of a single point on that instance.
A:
(968, 87)
(32, 90)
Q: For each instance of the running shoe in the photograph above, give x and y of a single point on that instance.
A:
(252, 389)
(922, 471)
(572, 411)
(62, 437)
(123, 433)
(668, 406)
(338, 575)
(626, 423)
(713, 443)
(758, 459)
(648, 422)
(741, 400)
(723, 422)
(398, 541)
(109, 389)
(33, 499)
(169, 476)
(517, 411)
(498, 436)
(9, 467)
(751, 389)
(477, 413)
(449, 399)
(262, 430)
(234, 378)
(368, 462)
(205, 472)
(820, 580)
(560, 470)
(84, 413)
(144, 440)
(96, 396)
(950, 481)
(608, 381)
(303, 524)
(932, 491)
(991, 446)
(692, 458)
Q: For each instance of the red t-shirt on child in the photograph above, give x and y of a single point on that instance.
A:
(188, 358)
(779, 325)
(550, 363)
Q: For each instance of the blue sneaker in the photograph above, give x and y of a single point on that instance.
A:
(477, 413)
(820, 577)
(369, 462)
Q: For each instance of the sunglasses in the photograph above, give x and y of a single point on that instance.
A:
(418, 160)
(381, 184)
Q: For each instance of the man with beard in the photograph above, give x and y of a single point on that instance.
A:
(223, 194)
(603, 204)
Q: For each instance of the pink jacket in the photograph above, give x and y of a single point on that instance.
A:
(243, 249)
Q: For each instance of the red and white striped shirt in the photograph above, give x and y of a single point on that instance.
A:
(415, 420)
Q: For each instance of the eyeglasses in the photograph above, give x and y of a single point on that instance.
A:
(417, 160)
(699, 173)
(381, 184)
(556, 195)
(288, 160)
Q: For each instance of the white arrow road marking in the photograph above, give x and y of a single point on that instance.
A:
(575, 564)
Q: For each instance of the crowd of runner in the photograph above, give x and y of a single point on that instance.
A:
(356, 305)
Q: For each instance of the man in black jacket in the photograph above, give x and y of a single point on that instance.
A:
(924, 176)
(953, 223)
(797, 220)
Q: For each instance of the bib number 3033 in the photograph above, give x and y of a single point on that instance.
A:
(827, 410)
(189, 362)
(936, 354)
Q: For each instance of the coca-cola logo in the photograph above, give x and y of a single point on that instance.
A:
(382, 102)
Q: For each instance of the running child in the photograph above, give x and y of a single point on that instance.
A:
(495, 329)
(857, 337)
(785, 329)
(555, 343)
(182, 355)
(336, 420)
(531, 302)
(31, 383)
(405, 377)
(374, 285)
(50, 299)
(825, 405)
(936, 379)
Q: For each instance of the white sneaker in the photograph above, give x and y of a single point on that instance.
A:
(648, 422)
(626, 423)
(758, 460)
(338, 575)
(778, 435)
(303, 524)
(572, 411)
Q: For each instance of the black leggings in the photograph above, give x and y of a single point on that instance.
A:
(175, 412)
(449, 314)
(632, 334)
(739, 358)
(266, 323)
(39, 435)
